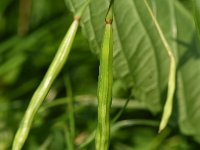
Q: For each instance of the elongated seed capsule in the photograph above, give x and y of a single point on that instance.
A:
(170, 94)
(105, 87)
(44, 87)
(41, 92)
(172, 73)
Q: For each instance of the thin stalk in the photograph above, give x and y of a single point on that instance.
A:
(133, 122)
(24, 15)
(70, 112)
(92, 135)
(41, 92)
(105, 87)
(90, 100)
(46, 143)
(172, 73)
(119, 125)
(120, 112)
(157, 141)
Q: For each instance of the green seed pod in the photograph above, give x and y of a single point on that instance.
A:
(53, 71)
(44, 87)
(105, 87)
(172, 73)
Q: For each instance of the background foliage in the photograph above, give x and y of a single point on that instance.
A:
(30, 33)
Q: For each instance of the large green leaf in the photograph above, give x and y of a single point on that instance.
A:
(188, 90)
(140, 59)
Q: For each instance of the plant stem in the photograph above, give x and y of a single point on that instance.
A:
(70, 111)
(92, 135)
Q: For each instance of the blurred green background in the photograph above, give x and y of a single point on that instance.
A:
(30, 33)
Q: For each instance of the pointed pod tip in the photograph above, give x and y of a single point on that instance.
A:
(159, 131)
(161, 128)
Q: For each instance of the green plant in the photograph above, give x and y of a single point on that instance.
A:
(140, 61)
(155, 75)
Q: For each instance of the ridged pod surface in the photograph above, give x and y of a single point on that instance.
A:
(105, 87)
